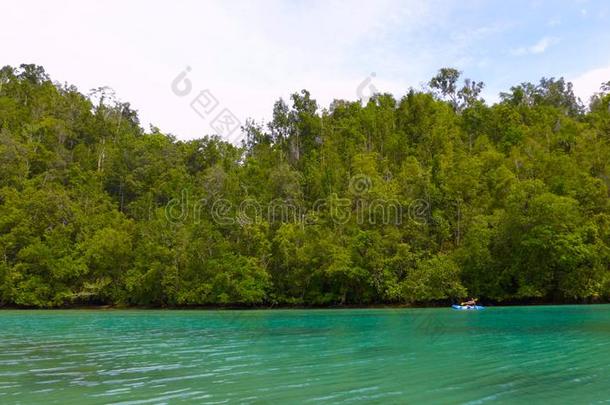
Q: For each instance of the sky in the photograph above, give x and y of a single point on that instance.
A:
(241, 56)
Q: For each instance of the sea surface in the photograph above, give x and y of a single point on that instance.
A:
(540, 354)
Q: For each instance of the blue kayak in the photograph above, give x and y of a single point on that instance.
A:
(468, 307)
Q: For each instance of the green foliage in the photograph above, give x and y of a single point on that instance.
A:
(445, 83)
(436, 278)
(432, 197)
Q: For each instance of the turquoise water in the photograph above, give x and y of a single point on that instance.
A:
(510, 354)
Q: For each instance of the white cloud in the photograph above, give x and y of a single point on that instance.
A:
(248, 54)
(554, 22)
(588, 83)
(539, 47)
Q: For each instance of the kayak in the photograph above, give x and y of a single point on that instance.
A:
(468, 307)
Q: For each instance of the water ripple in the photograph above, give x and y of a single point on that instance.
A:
(366, 356)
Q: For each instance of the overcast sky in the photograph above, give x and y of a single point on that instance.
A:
(248, 54)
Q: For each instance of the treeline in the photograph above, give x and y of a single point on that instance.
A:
(505, 202)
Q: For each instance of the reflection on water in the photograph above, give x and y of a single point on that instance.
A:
(380, 355)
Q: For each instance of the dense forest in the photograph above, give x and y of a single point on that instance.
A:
(430, 198)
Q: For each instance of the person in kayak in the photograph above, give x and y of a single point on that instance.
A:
(471, 303)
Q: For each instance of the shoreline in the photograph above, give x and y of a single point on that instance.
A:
(281, 307)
